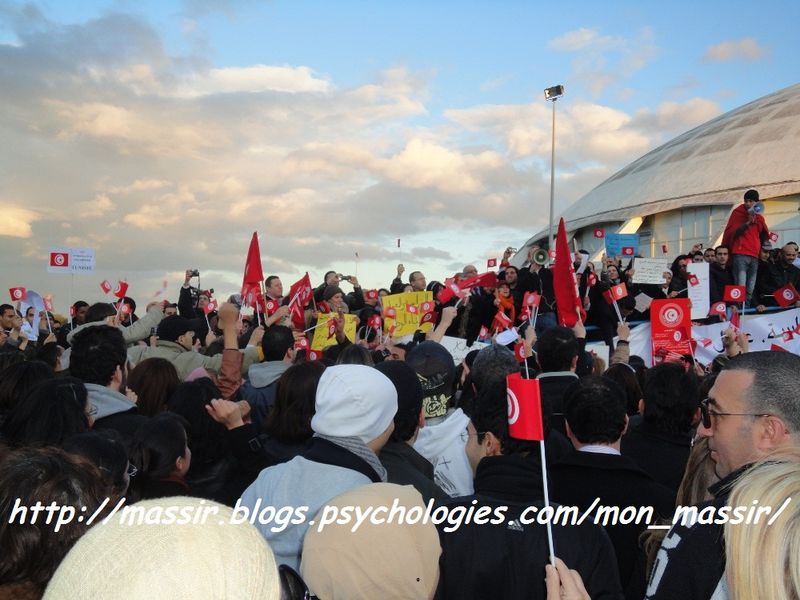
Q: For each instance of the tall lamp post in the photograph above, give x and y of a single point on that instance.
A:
(552, 94)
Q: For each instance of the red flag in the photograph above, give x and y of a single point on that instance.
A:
(374, 322)
(693, 280)
(18, 293)
(121, 289)
(773, 237)
(627, 251)
(484, 332)
(391, 329)
(412, 309)
(502, 321)
(428, 317)
(718, 309)
(449, 290)
(524, 408)
(488, 280)
(48, 303)
(105, 286)
(125, 308)
(210, 307)
(72, 311)
(524, 314)
(301, 291)
(664, 249)
(253, 274)
(531, 299)
(323, 307)
(59, 259)
(565, 285)
(786, 295)
(591, 280)
(552, 255)
(271, 307)
(371, 294)
(619, 291)
(599, 233)
(251, 295)
(314, 355)
(734, 293)
(390, 312)
(491, 263)
(519, 352)
(301, 344)
(426, 306)
(331, 327)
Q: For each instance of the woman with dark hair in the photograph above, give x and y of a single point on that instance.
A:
(226, 452)
(32, 552)
(625, 376)
(161, 455)
(17, 380)
(154, 380)
(353, 354)
(679, 285)
(106, 450)
(51, 412)
(288, 426)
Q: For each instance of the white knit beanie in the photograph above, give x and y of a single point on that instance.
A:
(354, 401)
(154, 559)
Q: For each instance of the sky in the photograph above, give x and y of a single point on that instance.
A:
(164, 133)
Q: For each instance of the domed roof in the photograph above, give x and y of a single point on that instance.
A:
(754, 146)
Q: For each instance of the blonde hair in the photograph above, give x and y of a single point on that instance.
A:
(761, 558)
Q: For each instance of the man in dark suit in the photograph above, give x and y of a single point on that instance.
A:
(557, 352)
(594, 409)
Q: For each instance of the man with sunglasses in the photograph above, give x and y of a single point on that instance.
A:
(751, 411)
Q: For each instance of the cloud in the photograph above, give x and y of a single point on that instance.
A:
(603, 60)
(253, 79)
(99, 206)
(746, 49)
(16, 221)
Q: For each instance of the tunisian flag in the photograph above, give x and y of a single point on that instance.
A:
(565, 285)
(253, 274)
(524, 408)
(300, 295)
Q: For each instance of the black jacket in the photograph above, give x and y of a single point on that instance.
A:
(719, 277)
(506, 560)
(406, 466)
(691, 561)
(663, 456)
(582, 477)
(552, 388)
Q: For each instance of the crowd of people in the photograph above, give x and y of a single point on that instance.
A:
(190, 408)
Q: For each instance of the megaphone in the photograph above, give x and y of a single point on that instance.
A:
(758, 208)
(540, 256)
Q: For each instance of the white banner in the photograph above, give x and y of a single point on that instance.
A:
(772, 331)
(458, 347)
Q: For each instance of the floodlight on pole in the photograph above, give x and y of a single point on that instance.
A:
(552, 94)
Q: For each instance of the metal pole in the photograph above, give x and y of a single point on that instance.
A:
(552, 179)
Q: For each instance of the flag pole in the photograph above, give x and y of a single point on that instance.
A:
(547, 503)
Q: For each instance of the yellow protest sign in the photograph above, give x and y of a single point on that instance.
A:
(406, 323)
(320, 333)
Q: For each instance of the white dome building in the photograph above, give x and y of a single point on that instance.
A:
(682, 192)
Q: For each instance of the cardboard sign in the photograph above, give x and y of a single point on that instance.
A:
(671, 328)
(650, 270)
(405, 322)
(320, 331)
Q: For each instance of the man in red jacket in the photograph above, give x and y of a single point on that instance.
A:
(743, 235)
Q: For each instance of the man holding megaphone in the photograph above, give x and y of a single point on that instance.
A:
(744, 233)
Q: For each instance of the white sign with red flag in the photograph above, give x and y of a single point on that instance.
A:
(63, 259)
(699, 288)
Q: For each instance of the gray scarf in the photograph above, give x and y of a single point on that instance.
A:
(360, 449)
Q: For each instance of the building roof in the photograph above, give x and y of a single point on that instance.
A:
(753, 146)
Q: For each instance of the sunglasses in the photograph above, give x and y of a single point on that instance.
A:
(292, 585)
(706, 413)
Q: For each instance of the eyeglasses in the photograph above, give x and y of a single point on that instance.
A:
(706, 413)
(465, 435)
